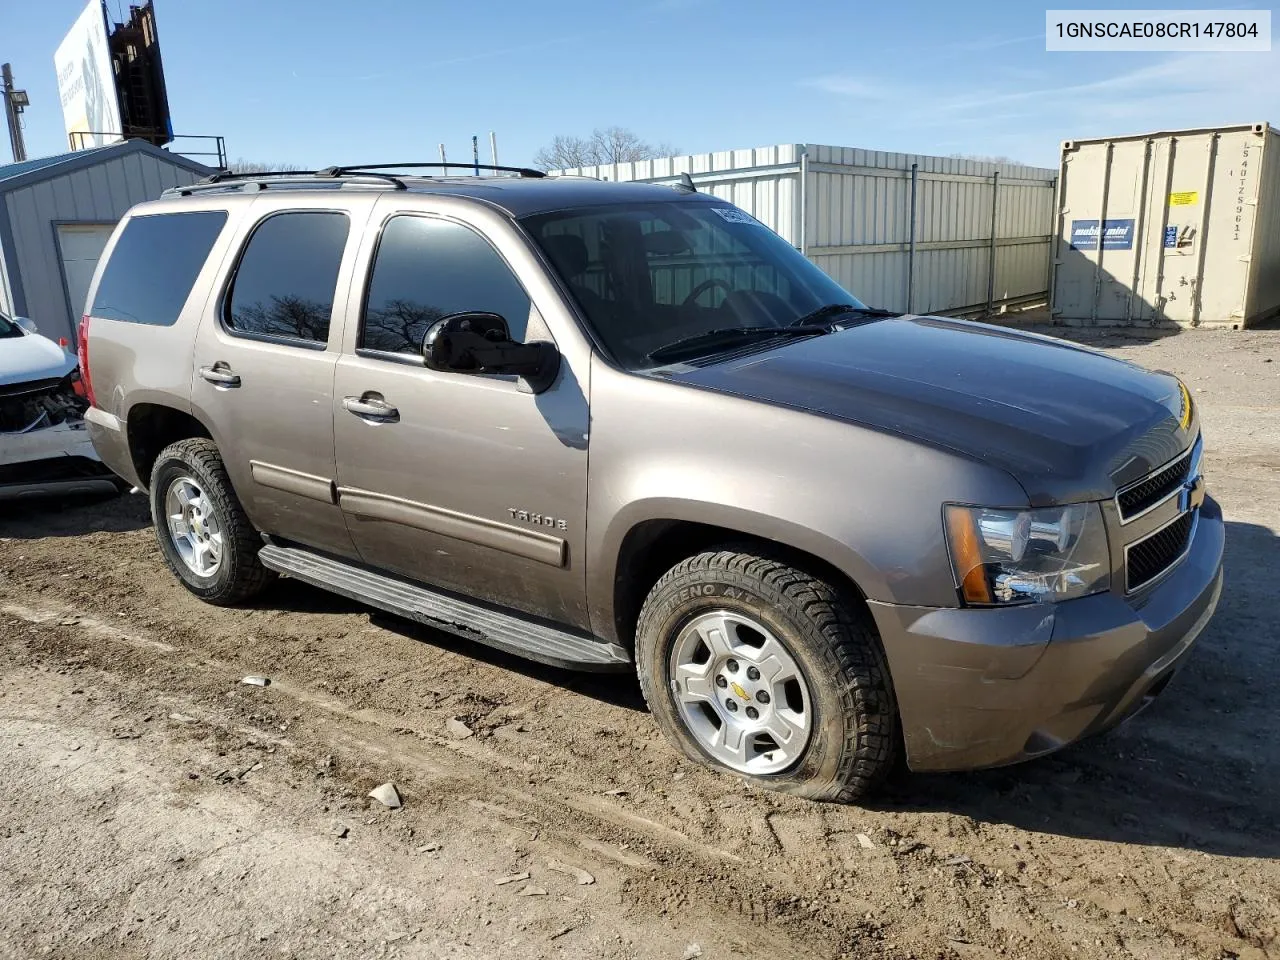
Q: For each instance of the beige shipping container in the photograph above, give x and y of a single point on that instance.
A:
(1178, 227)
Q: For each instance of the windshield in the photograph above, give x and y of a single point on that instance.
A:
(8, 328)
(649, 274)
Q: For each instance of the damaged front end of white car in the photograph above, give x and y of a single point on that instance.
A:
(44, 447)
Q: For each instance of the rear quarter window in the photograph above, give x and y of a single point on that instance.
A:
(154, 265)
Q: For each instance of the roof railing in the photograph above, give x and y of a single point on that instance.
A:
(331, 177)
(215, 156)
(294, 179)
(528, 172)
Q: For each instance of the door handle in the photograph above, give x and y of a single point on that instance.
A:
(371, 407)
(220, 375)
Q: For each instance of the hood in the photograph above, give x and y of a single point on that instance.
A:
(32, 358)
(1068, 423)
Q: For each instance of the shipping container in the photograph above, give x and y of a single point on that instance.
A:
(904, 232)
(1178, 227)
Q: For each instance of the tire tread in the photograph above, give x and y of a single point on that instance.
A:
(851, 650)
(249, 577)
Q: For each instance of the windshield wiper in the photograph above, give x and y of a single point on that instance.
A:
(841, 310)
(730, 336)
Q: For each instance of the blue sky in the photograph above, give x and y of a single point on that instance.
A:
(319, 82)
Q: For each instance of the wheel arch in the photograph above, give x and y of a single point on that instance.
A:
(152, 427)
(647, 547)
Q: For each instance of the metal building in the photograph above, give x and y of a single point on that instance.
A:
(1172, 227)
(915, 233)
(56, 214)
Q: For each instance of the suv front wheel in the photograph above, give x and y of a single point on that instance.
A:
(205, 537)
(757, 667)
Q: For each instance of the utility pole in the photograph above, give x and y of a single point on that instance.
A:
(14, 102)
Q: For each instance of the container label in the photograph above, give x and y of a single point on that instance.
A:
(1179, 238)
(1116, 235)
(1185, 198)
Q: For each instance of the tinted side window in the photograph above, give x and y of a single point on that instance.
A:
(154, 264)
(427, 269)
(285, 283)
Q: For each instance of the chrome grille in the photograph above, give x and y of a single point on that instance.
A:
(1146, 559)
(1137, 498)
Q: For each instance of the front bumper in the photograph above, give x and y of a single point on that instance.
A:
(983, 688)
(59, 459)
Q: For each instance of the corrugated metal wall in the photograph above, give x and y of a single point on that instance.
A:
(857, 217)
(6, 296)
(101, 193)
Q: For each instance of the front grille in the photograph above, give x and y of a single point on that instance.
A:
(1144, 494)
(1153, 555)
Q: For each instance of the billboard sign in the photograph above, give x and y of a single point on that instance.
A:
(86, 82)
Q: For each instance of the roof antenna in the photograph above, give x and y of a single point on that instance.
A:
(686, 183)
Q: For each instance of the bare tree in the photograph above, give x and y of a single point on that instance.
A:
(605, 145)
(253, 166)
(563, 152)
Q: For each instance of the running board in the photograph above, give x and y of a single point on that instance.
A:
(524, 638)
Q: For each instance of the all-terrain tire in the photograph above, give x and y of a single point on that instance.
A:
(240, 575)
(854, 740)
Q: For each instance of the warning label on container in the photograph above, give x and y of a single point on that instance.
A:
(1116, 235)
(1179, 239)
(1184, 198)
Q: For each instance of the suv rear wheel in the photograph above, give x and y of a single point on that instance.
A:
(759, 668)
(205, 537)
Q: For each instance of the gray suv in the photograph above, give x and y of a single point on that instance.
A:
(626, 426)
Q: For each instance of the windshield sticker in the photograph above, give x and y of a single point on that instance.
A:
(733, 215)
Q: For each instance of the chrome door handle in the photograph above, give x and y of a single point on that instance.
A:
(220, 375)
(371, 407)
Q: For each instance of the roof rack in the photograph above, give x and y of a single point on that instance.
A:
(357, 168)
(261, 181)
(330, 176)
(223, 176)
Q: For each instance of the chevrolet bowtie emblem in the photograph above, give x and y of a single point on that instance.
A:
(740, 692)
(1191, 496)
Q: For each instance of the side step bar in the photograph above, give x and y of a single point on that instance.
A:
(524, 638)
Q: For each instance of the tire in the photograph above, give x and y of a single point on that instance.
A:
(238, 574)
(852, 739)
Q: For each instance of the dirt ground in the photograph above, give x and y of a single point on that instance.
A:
(153, 806)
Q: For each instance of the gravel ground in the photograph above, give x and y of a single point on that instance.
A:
(153, 806)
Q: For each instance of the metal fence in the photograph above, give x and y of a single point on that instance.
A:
(906, 232)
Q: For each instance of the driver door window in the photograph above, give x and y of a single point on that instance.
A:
(427, 268)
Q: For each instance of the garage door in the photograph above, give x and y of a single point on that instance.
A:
(80, 245)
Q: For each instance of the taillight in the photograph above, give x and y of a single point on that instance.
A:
(82, 353)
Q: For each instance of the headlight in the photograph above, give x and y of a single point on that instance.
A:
(1025, 556)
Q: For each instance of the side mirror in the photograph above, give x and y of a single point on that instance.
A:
(26, 323)
(481, 343)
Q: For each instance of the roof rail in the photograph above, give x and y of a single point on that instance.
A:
(356, 168)
(261, 181)
(223, 176)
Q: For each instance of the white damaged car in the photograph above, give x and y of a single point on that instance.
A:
(44, 448)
